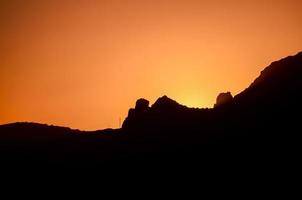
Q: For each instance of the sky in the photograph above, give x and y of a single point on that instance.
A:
(83, 64)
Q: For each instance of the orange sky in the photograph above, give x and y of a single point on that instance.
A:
(83, 64)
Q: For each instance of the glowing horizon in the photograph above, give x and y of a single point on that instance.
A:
(83, 64)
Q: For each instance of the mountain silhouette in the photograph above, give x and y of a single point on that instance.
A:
(262, 120)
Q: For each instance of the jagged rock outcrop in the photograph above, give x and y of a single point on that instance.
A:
(141, 105)
(137, 115)
(223, 98)
(164, 114)
(164, 103)
(163, 111)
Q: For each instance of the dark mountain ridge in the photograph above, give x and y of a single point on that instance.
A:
(266, 115)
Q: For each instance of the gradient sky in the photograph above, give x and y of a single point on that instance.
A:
(83, 64)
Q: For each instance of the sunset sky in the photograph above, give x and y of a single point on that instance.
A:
(83, 64)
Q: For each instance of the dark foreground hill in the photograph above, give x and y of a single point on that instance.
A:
(262, 122)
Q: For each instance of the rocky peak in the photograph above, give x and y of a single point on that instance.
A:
(223, 98)
(165, 103)
(142, 105)
(137, 115)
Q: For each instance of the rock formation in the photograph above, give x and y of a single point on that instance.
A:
(136, 115)
(141, 105)
(223, 98)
